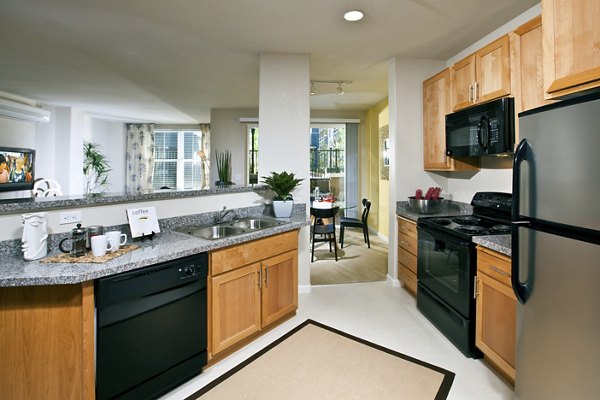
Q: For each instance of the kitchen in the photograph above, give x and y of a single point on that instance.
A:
(406, 171)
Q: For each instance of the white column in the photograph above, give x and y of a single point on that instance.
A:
(284, 119)
(70, 131)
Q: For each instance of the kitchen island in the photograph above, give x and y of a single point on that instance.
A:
(47, 344)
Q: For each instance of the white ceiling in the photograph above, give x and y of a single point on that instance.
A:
(171, 61)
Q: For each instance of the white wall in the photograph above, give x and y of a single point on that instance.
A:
(111, 137)
(228, 133)
(284, 115)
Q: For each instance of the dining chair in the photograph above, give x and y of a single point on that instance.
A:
(46, 188)
(346, 222)
(323, 228)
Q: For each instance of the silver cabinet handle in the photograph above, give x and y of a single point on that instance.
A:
(498, 270)
(476, 92)
(260, 278)
(267, 275)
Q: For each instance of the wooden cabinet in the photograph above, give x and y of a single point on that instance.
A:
(495, 332)
(252, 286)
(407, 254)
(482, 76)
(436, 104)
(571, 46)
(47, 342)
(527, 65)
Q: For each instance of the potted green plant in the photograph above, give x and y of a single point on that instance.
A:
(282, 184)
(223, 159)
(95, 168)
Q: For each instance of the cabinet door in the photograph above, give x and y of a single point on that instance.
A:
(279, 286)
(571, 46)
(463, 79)
(235, 311)
(493, 70)
(527, 68)
(495, 331)
(436, 104)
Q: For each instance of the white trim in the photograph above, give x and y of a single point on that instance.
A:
(394, 282)
(304, 288)
(254, 120)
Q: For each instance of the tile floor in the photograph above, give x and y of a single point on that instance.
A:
(382, 314)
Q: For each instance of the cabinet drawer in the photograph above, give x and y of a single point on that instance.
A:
(495, 265)
(408, 277)
(242, 254)
(408, 243)
(409, 260)
(407, 227)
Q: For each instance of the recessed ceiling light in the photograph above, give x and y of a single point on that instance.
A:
(353, 15)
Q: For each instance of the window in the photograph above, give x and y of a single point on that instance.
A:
(177, 160)
(252, 154)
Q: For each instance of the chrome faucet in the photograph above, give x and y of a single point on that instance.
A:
(223, 213)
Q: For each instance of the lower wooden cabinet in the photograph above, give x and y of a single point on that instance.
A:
(47, 342)
(407, 254)
(252, 286)
(495, 332)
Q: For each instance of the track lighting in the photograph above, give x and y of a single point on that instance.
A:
(340, 87)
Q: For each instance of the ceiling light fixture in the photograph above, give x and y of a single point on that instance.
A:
(340, 87)
(353, 15)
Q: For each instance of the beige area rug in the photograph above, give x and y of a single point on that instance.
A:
(356, 262)
(314, 361)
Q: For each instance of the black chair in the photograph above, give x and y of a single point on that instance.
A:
(321, 231)
(346, 222)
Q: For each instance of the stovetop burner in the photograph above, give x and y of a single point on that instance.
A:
(470, 229)
(491, 216)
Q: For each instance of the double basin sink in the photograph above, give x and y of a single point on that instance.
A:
(227, 229)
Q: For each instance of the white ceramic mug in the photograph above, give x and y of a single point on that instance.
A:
(116, 239)
(100, 245)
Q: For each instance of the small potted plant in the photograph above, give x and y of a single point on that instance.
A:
(223, 159)
(282, 184)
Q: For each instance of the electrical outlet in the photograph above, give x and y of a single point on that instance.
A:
(69, 217)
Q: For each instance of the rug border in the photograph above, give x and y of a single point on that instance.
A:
(442, 393)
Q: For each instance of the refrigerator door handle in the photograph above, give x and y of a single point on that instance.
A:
(521, 289)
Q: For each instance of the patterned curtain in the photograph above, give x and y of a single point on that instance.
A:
(140, 157)
(205, 151)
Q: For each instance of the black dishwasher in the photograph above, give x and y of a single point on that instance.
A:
(151, 329)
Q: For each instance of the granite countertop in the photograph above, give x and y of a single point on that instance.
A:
(449, 208)
(499, 243)
(166, 246)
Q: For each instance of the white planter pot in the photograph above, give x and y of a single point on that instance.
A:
(283, 209)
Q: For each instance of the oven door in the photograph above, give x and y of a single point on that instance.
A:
(446, 266)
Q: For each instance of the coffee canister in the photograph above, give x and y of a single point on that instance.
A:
(93, 230)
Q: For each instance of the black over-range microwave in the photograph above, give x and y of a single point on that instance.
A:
(482, 130)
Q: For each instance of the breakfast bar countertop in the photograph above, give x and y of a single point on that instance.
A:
(165, 246)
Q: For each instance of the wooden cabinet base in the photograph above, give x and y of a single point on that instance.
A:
(47, 342)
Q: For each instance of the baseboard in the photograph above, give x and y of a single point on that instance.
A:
(395, 282)
(304, 288)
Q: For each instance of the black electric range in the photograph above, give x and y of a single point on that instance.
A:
(447, 265)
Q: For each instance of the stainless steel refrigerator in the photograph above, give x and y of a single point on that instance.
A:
(556, 251)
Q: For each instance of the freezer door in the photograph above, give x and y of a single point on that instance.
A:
(560, 178)
(558, 329)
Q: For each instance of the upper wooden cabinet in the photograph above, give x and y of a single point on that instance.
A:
(527, 66)
(482, 76)
(436, 104)
(571, 46)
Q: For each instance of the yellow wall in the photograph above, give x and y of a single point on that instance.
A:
(372, 187)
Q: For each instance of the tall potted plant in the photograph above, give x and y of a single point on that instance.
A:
(282, 184)
(223, 159)
(95, 169)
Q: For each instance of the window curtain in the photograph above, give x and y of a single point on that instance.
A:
(205, 155)
(140, 157)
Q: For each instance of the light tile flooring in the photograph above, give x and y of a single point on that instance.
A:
(384, 315)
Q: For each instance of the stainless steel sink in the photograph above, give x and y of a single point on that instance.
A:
(212, 232)
(256, 223)
(227, 229)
